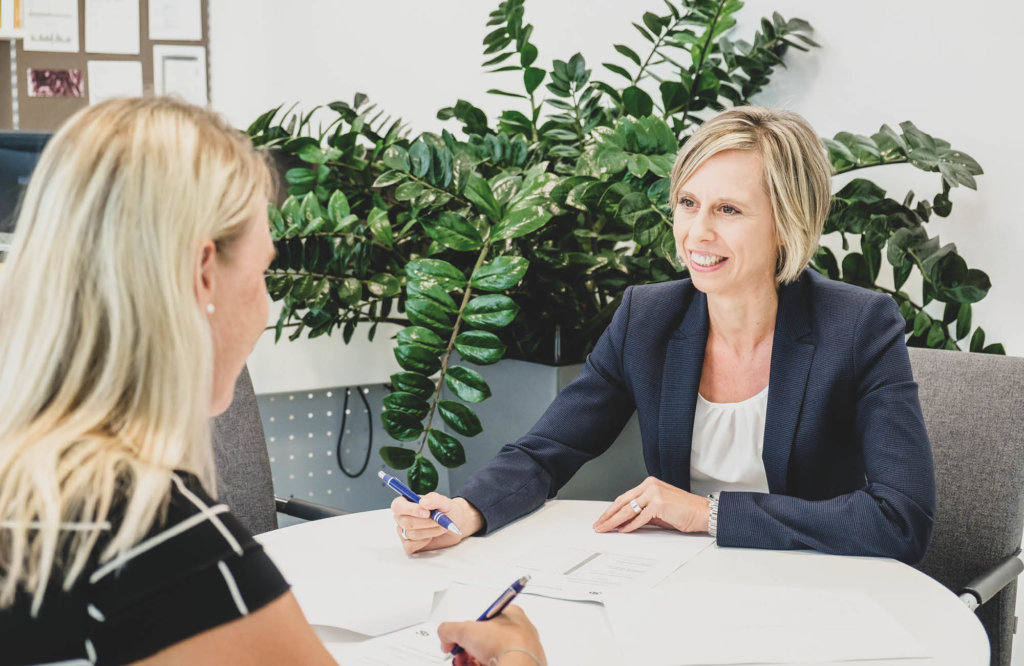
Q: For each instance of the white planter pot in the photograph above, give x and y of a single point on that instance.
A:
(521, 392)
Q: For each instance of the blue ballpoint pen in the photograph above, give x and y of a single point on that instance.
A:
(494, 610)
(406, 492)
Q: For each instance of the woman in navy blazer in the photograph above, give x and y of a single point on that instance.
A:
(846, 460)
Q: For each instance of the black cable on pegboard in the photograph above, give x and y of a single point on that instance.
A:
(341, 433)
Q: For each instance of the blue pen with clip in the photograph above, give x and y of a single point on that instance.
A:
(494, 610)
(406, 492)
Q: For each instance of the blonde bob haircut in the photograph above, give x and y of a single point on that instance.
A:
(797, 174)
(105, 386)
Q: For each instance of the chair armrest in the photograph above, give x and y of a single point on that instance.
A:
(306, 510)
(988, 584)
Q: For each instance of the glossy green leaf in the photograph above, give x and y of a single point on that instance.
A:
(532, 78)
(311, 153)
(409, 403)
(437, 271)
(963, 321)
(446, 449)
(490, 311)
(500, 274)
(432, 292)
(453, 231)
(922, 322)
(459, 417)
(383, 285)
(408, 191)
(396, 457)
(338, 208)
(396, 157)
(521, 222)
(413, 382)
(479, 192)
(480, 347)
(300, 176)
(388, 178)
(380, 226)
(426, 313)
(629, 53)
(978, 340)
(637, 102)
(419, 159)
(400, 425)
(419, 335)
(467, 384)
(422, 476)
(417, 359)
(349, 290)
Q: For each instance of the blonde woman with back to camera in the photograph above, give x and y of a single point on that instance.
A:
(130, 300)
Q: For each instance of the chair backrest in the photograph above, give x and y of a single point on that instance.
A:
(244, 482)
(973, 408)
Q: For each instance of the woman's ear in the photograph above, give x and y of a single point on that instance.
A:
(205, 273)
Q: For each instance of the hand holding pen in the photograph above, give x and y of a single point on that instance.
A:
(416, 529)
(406, 492)
(502, 632)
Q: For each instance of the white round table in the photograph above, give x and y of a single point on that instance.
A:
(360, 547)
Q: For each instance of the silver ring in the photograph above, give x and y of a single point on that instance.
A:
(404, 535)
(633, 504)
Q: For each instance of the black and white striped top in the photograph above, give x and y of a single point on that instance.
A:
(196, 570)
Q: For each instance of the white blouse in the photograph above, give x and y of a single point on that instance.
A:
(727, 442)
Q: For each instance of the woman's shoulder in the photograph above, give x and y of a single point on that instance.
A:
(195, 569)
(192, 531)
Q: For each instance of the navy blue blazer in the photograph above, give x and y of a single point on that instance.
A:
(846, 454)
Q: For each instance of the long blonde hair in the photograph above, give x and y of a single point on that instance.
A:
(107, 359)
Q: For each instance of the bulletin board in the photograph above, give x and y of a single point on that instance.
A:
(47, 113)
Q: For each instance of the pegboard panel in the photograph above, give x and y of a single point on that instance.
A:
(306, 460)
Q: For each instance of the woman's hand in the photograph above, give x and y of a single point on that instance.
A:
(502, 638)
(661, 504)
(418, 532)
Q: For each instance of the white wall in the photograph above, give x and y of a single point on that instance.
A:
(953, 69)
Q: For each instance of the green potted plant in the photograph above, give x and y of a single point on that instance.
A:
(516, 237)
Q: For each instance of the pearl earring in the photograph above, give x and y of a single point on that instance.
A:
(210, 308)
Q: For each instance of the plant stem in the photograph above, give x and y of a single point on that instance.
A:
(431, 186)
(654, 51)
(857, 167)
(448, 350)
(703, 57)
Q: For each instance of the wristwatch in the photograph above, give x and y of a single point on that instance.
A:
(713, 514)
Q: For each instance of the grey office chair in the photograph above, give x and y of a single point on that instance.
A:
(243, 467)
(974, 410)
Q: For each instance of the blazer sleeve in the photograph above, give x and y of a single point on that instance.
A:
(893, 513)
(580, 424)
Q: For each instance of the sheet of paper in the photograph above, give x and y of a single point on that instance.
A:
(367, 606)
(51, 25)
(180, 70)
(593, 566)
(112, 26)
(715, 623)
(175, 20)
(114, 78)
(415, 646)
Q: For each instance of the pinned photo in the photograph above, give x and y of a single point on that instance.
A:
(55, 83)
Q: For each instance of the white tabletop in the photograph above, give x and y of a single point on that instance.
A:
(347, 547)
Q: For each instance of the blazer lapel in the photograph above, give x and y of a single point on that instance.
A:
(684, 360)
(792, 353)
